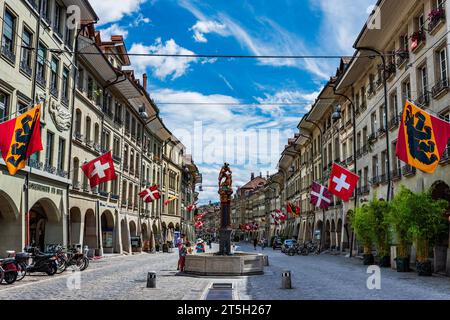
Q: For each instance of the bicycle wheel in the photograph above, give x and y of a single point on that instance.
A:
(62, 266)
(85, 264)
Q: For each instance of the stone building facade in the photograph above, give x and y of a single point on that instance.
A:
(34, 203)
(92, 104)
(413, 37)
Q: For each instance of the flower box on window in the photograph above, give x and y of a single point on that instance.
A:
(436, 17)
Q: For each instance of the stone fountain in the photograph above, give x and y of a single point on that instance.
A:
(224, 262)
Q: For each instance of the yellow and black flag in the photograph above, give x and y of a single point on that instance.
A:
(422, 138)
(20, 138)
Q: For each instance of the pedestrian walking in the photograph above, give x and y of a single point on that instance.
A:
(262, 242)
(255, 243)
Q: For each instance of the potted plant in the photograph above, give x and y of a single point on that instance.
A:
(379, 210)
(427, 223)
(363, 224)
(400, 221)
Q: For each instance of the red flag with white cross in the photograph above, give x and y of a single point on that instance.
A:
(342, 182)
(150, 194)
(100, 170)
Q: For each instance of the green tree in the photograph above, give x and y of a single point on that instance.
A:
(364, 225)
(399, 219)
(427, 221)
(379, 210)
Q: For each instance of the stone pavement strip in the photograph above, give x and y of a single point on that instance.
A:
(313, 278)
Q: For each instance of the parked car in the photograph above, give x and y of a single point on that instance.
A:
(288, 244)
(277, 244)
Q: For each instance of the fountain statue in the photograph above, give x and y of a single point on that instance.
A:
(225, 192)
(224, 263)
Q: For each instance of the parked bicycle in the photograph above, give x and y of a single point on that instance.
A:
(70, 258)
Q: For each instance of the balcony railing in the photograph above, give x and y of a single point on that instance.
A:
(446, 155)
(403, 58)
(365, 190)
(381, 132)
(442, 86)
(436, 17)
(41, 80)
(35, 164)
(65, 99)
(371, 91)
(396, 174)
(418, 39)
(103, 193)
(49, 169)
(114, 197)
(391, 70)
(424, 99)
(116, 158)
(375, 180)
(62, 173)
(79, 136)
(408, 170)
(394, 122)
(349, 160)
(383, 178)
(8, 54)
(54, 91)
(24, 66)
(97, 147)
(89, 143)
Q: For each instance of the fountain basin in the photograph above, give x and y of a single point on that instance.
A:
(238, 264)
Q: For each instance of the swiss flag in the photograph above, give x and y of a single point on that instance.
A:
(100, 170)
(342, 182)
(150, 194)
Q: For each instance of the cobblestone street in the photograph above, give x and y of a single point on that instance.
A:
(313, 278)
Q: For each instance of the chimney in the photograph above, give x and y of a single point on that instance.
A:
(268, 175)
(145, 81)
(260, 174)
(253, 176)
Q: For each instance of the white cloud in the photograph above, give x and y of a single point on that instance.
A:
(269, 40)
(113, 30)
(112, 11)
(162, 67)
(140, 19)
(342, 21)
(204, 27)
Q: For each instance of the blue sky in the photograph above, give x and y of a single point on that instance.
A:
(257, 27)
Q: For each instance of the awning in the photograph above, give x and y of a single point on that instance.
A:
(94, 56)
(158, 128)
(387, 18)
(128, 90)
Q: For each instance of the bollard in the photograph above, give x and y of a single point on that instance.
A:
(151, 280)
(266, 261)
(286, 280)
